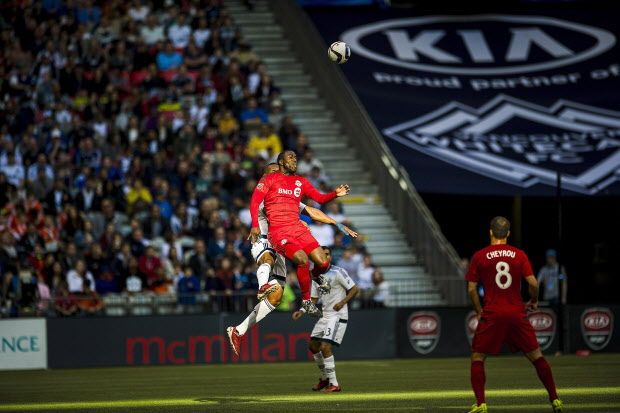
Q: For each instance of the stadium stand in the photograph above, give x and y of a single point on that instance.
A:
(132, 137)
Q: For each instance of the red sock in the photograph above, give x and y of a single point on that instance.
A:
(320, 269)
(477, 380)
(546, 376)
(303, 276)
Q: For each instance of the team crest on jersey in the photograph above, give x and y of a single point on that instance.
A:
(284, 241)
(298, 183)
(544, 324)
(297, 192)
(260, 186)
(597, 327)
(424, 328)
(471, 323)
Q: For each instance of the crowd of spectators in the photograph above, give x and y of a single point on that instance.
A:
(132, 134)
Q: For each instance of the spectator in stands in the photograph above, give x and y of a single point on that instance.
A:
(89, 301)
(149, 265)
(198, 261)
(77, 276)
(252, 115)
(552, 280)
(266, 144)
(64, 302)
(179, 32)
(381, 290)
(307, 162)
(217, 244)
(152, 33)
(350, 261)
(168, 58)
(187, 287)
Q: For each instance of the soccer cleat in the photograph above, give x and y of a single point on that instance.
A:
(479, 409)
(557, 406)
(265, 290)
(311, 309)
(320, 385)
(333, 389)
(323, 283)
(234, 339)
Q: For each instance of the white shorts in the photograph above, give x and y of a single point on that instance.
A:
(278, 272)
(330, 330)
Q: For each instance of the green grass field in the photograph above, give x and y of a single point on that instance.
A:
(586, 384)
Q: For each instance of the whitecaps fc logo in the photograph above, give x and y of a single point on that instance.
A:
(522, 143)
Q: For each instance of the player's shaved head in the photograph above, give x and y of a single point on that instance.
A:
(271, 168)
(500, 227)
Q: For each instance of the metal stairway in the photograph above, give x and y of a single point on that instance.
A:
(409, 283)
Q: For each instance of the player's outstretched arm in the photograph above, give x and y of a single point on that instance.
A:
(314, 194)
(319, 216)
(342, 190)
(473, 296)
(532, 288)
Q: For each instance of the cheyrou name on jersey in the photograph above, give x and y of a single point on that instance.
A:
(500, 254)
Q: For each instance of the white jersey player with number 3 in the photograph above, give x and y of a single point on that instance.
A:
(329, 330)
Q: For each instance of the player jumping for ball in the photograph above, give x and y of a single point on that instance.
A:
(281, 193)
(271, 272)
(329, 330)
(501, 267)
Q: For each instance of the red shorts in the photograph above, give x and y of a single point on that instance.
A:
(496, 329)
(292, 239)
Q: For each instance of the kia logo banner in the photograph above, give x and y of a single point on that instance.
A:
(492, 103)
(597, 327)
(424, 328)
(544, 324)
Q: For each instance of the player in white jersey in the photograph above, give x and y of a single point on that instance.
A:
(271, 271)
(329, 330)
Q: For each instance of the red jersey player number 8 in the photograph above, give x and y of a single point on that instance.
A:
(503, 274)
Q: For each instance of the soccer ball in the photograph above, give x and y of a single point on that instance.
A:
(339, 52)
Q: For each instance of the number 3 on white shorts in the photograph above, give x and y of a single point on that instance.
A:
(503, 271)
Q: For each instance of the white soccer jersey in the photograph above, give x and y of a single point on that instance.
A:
(340, 283)
(263, 222)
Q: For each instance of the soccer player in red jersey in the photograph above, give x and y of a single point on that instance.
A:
(500, 268)
(281, 193)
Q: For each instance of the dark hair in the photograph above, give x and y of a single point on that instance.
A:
(281, 155)
(500, 227)
(268, 165)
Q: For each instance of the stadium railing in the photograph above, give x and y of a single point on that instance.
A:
(395, 188)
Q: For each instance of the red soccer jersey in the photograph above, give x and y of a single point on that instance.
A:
(282, 194)
(500, 268)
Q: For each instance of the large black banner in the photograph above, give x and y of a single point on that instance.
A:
(118, 341)
(490, 103)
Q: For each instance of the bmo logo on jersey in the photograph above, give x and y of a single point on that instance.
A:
(597, 327)
(543, 322)
(490, 44)
(424, 329)
(296, 192)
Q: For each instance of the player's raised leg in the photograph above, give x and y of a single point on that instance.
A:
(546, 377)
(264, 256)
(321, 265)
(303, 276)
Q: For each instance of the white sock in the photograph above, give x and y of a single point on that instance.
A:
(263, 274)
(258, 313)
(330, 370)
(318, 358)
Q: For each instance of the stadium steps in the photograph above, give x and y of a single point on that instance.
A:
(409, 283)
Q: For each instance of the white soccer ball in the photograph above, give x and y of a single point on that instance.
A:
(339, 52)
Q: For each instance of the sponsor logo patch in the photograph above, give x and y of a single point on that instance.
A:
(424, 329)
